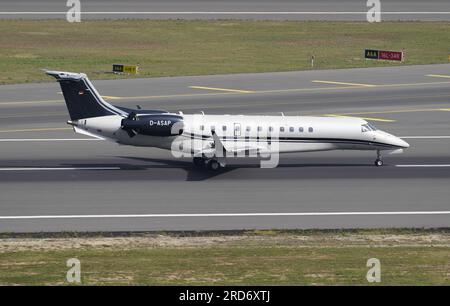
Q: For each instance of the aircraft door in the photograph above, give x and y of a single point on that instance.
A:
(237, 129)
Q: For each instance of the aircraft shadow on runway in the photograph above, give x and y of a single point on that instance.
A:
(200, 174)
(193, 173)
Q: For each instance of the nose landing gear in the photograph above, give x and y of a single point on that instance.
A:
(379, 160)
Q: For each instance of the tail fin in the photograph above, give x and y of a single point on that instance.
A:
(82, 99)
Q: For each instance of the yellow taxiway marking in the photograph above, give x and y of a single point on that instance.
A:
(438, 76)
(400, 111)
(34, 115)
(231, 93)
(177, 96)
(221, 89)
(111, 98)
(364, 118)
(387, 112)
(35, 130)
(413, 84)
(302, 89)
(359, 86)
(343, 83)
(31, 102)
(50, 101)
(234, 92)
(330, 115)
(106, 97)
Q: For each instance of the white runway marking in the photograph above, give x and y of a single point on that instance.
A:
(228, 13)
(47, 139)
(312, 214)
(118, 168)
(423, 166)
(58, 168)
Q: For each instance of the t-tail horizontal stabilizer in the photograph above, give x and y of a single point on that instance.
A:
(82, 99)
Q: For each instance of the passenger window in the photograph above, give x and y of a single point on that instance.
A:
(281, 129)
(248, 129)
(291, 129)
(270, 129)
(202, 127)
(224, 128)
(310, 130)
(259, 128)
(300, 130)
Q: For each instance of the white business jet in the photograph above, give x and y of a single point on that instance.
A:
(211, 139)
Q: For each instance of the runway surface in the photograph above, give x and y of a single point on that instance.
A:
(230, 9)
(54, 180)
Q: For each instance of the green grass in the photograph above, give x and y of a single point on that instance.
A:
(260, 258)
(171, 48)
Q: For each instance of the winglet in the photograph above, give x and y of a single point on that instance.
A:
(62, 75)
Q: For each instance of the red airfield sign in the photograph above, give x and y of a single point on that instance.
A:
(384, 55)
(391, 55)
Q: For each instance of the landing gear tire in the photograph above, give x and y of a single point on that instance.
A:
(213, 165)
(378, 161)
(198, 162)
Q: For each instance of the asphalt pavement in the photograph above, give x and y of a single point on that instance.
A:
(54, 180)
(350, 10)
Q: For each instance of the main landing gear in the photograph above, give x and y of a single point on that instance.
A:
(211, 164)
(379, 160)
(198, 161)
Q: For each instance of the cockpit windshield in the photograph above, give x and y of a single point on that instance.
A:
(368, 127)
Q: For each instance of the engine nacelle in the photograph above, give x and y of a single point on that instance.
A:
(153, 125)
